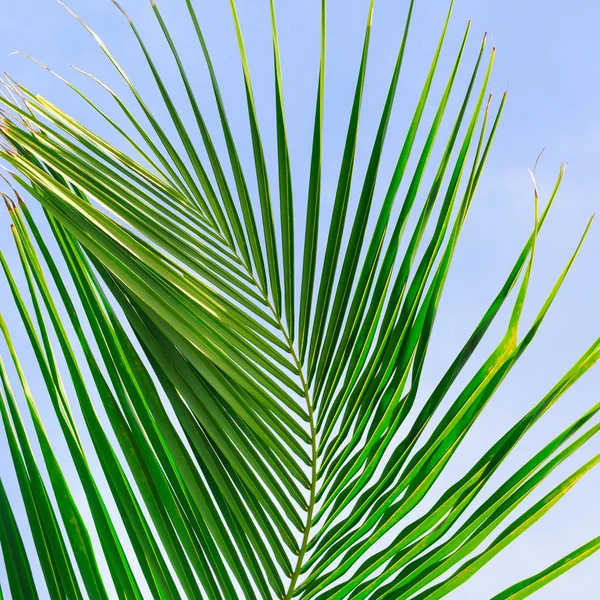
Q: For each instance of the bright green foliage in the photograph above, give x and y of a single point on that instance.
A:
(240, 427)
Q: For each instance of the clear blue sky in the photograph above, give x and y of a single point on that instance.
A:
(547, 52)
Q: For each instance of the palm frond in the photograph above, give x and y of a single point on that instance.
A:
(244, 419)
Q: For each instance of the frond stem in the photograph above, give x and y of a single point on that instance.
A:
(310, 509)
(313, 479)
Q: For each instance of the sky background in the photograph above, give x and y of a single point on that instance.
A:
(547, 56)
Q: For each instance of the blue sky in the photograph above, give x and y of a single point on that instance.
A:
(546, 55)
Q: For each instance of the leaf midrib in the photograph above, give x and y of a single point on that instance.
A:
(313, 441)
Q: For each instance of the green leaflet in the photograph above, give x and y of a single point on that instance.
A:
(311, 236)
(261, 169)
(20, 577)
(528, 586)
(340, 207)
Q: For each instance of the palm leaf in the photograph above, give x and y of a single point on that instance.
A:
(240, 427)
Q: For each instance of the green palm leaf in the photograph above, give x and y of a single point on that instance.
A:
(242, 421)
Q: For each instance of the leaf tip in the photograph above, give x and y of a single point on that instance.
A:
(9, 205)
(121, 9)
